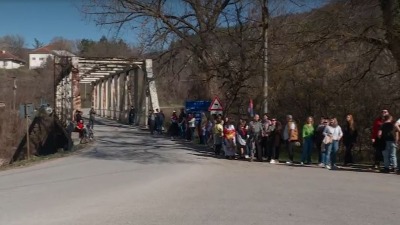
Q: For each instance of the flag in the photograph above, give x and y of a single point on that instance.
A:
(250, 110)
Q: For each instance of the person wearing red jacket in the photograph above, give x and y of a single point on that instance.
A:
(377, 143)
(80, 127)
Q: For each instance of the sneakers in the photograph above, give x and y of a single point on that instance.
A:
(289, 163)
(321, 165)
(302, 163)
(328, 167)
(273, 161)
(385, 170)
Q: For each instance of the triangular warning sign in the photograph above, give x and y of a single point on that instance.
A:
(215, 105)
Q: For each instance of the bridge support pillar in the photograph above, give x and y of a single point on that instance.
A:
(126, 91)
(94, 96)
(108, 81)
(98, 100)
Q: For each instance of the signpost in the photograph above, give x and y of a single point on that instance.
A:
(26, 111)
(216, 106)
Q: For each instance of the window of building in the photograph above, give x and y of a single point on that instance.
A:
(33, 58)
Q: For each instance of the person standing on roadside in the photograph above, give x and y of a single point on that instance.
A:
(174, 128)
(151, 121)
(308, 136)
(255, 134)
(92, 115)
(334, 132)
(264, 139)
(276, 139)
(218, 132)
(319, 137)
(132, 113)
(388, 134)
(191, 127)
(230, 139)
(242, 138)
(182, 123)
(161, 116)
(397, 128)
(377, 143)
(350, 135)
(290, 136)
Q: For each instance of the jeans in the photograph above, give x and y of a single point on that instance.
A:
(249, 147)
(323, 155)
(91, 123)
(331, 150)
(182, 130)
(389, 155)
(160, 126)
(255, 147)
(307, 148)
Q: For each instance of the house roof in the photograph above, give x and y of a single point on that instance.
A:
(43, 50)
(51, 49)
(4, 55)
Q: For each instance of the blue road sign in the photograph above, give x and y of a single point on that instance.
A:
(197, 107)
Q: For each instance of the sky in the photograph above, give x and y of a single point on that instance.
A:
(46, 19)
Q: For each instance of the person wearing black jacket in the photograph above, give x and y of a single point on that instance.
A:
(350, 135)
(319, 136)
(132, 113)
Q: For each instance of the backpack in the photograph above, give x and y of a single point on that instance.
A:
(295, 133)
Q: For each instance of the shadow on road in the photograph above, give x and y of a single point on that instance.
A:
(135, 145)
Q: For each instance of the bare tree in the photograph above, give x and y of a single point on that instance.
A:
(219, 37)
(13, 43)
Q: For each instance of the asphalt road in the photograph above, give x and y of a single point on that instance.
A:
(129, 177)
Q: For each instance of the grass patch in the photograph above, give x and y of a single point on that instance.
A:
(39, 159)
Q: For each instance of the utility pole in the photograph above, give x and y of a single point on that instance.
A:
(265, 21)
(15, 93)
(28, 152)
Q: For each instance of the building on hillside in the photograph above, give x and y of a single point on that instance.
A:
(39, 57)
(10, 61)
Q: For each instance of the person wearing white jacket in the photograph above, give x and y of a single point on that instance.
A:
(333, 132)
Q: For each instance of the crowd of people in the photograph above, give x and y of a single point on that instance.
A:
(262, 138)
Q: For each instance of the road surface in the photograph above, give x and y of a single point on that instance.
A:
(129, 177)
